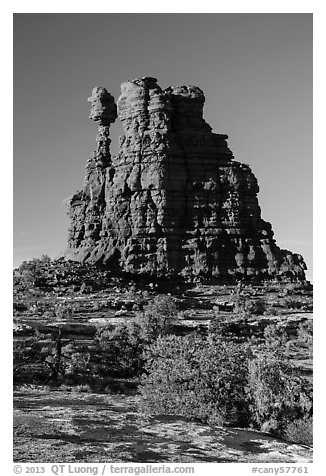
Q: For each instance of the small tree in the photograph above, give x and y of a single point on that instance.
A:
(52, 355)
(56, 355)
(118, 352)
(25, 353)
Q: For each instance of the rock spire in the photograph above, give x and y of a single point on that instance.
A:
(173, 202)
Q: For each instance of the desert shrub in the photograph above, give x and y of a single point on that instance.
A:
(118, 352)
(279, 394)
(305, 335)
(223, 382)
(272, 311)
(186, 314)
(246, 307)
(233, 327)
(300, 431)
(305, 332)
(48, 315)
(255, 306)
(157, 317)
(275, 337)
(196, 377)
(63, 311)
(297, 288)
(40, 307)
(78, 362)
(293, 303)
(289, 288)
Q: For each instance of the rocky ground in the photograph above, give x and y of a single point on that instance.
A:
(80, 314)
(197, 304)
(52, 426)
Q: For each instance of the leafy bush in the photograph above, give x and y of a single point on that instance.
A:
(63, 311)
(157, 318)
(78, 361)
(247, 307)
(275, 337)
(289, 288)
(300, 431)
(279, 394)
(223, 382)
(197, 377)
(41, 307)
(255, 306)
(305, 332)
(118, 352)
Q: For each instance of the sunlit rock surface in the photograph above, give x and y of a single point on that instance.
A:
(76, 427)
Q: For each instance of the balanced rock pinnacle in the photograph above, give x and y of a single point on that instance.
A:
(173, 202)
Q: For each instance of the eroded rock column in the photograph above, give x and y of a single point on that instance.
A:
(86, 207)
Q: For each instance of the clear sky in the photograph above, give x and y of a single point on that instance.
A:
(255, 71)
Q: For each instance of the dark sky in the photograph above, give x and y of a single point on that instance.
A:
(255, 71)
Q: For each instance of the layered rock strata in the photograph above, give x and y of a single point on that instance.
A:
(173, 201)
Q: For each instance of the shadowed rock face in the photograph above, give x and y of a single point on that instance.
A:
(172, 202)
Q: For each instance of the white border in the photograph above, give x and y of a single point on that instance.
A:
(315, 7)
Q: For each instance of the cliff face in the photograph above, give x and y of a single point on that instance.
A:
(172, 202)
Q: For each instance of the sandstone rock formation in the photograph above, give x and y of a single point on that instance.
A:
(173, 201)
